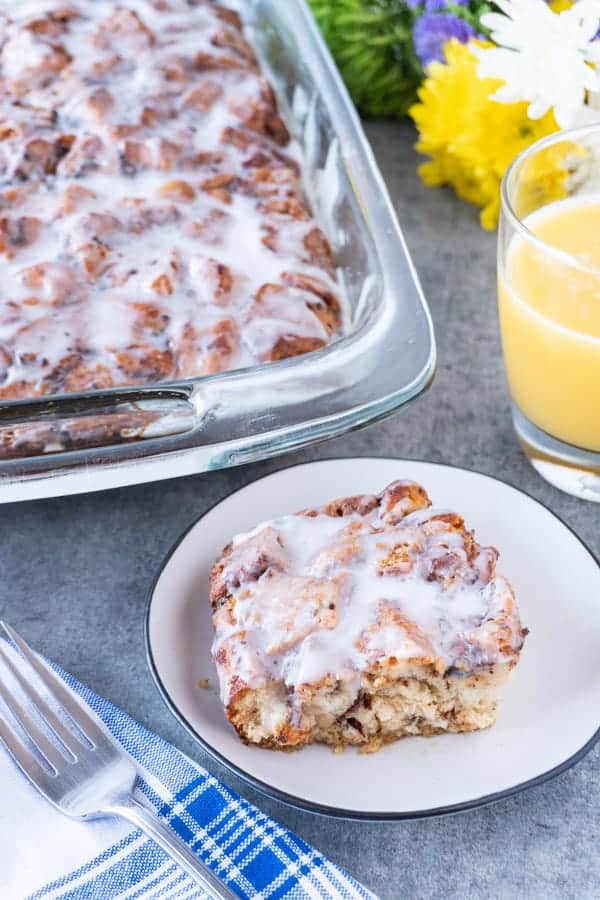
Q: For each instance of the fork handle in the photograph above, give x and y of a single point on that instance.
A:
(145, 819)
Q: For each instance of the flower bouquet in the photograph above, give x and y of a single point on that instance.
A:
(481, 80)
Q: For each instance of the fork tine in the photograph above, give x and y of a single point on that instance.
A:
(85, 719)
(66, 737)
(21, 754)
(33, 731)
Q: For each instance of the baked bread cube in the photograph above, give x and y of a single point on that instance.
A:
(154, 221)
(360, 622)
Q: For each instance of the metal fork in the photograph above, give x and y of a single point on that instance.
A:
(88, 774)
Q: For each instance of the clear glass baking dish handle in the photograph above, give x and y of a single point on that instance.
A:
(71, 423)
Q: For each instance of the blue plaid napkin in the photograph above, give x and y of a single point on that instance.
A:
(52, 856)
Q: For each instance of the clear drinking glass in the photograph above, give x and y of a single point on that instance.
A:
(549, 301)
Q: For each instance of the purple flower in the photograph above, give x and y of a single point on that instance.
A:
(435, 5)
(432, 31)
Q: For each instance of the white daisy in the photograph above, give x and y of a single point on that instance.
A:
(545, 58)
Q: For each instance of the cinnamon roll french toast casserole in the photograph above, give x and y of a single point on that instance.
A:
(362, 621)
(153, 222)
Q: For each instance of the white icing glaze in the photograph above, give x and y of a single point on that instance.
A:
(126, 203)
(447, 607)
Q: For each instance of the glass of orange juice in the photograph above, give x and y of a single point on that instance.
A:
(549, 302)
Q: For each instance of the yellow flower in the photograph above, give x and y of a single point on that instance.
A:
(544, 176)
(470, 138)
(559, 6)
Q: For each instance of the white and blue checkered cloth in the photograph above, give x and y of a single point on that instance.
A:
(44, 854)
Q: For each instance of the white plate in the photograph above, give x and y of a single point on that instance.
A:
(548, 715)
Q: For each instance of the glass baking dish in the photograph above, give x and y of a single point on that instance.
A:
(81, 442)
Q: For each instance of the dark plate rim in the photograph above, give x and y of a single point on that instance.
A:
(292, 800)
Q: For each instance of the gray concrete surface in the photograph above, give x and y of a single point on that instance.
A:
(74, 576)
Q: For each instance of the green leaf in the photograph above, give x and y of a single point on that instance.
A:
(372, 43)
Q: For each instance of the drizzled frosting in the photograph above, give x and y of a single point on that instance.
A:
(363, 582)
(153, 223)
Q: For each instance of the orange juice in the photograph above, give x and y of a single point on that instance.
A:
(549, 297)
